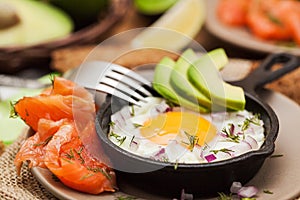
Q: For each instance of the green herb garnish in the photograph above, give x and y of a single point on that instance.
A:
(229, 132)
(86, 176)
(117, 137)
(80, 156)
(274, 19)
(267, 191)
(70, 155)
(99, 170)
(44, 142)
(112, 124)
(223, 196)
(276, 155)
(176, 165)
(193, 139)
(137, 125)
(224, 150)
(254, 120)
(125, 198)
(132, 111)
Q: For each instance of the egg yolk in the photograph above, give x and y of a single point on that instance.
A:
(167, 126)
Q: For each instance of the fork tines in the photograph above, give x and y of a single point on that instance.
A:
(125, 84)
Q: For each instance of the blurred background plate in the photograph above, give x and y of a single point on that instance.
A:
(15, 58)
(240, 36)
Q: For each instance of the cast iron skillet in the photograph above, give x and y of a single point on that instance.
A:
(207, 179)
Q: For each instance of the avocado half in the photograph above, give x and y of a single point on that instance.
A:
(38, 22)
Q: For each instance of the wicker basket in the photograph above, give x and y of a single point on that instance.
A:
(13, 59)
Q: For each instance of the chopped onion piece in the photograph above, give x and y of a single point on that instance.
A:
(174, 150)
(235, 187)
(160, 155)
(186, 196)
(253, 143)
(241, 148)
(134, 145)
(210, 157)
(248, 192)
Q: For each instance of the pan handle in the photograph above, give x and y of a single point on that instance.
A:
(264, 74)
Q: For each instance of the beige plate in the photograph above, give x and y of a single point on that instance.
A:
(281, 175)
(240, 36)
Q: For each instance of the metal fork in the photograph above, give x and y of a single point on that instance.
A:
(115, 80)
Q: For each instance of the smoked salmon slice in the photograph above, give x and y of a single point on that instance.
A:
(65, 139)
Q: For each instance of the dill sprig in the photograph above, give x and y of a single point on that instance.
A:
(119, 138)
(229, 132)
(80, 156)
(44, 142)
(223, 196)
(224, 150)
(112, 124)
(253, 120)
(267, 191)
(70, 155)
(193, 139)
(137, 125)
(132, 113)
(99, 170)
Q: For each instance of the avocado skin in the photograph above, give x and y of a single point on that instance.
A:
(82, 12)
(161, 84)
(39, 22)
(205, 77)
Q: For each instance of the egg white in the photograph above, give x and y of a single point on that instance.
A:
(126, 134)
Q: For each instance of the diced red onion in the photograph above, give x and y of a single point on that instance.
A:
(120, 117)
(240, 148)
(160, 155)
(235, 187)
(210, 157)
(160, 152)
(251, 141)
(198, 150)
(223, 155)
(174, 150)
(186, 196)
(162, 107)
(222, 134)
(134, 145)
(247, 192)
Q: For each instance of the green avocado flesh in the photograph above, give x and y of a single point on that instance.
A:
(179, 80)
(38, 22)
(162, 85)
(205, 77)
(194, 82)
(153, 7)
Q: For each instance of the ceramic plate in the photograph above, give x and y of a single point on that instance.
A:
(281, 175)
(240, 36)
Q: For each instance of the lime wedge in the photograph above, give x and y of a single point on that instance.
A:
(175, 28)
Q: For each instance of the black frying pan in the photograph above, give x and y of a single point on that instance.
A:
(207, 179)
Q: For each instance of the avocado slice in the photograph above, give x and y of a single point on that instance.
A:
(205, 77)
(161, 84)
(38, 22)
(179, 80)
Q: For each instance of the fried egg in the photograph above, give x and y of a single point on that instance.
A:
(174, 134)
